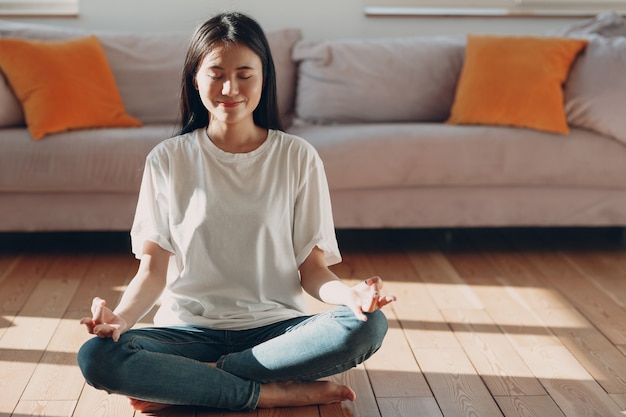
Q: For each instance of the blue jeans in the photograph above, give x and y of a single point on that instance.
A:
(166, 365)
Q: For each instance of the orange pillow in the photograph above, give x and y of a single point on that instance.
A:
(63, 85)
(515, 81)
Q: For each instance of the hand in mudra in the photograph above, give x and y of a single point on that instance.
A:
(104, 322)
(367, 298)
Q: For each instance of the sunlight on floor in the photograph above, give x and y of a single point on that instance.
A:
(45, 408)
(28, 332)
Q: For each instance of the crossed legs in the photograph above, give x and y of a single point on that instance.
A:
(278, 366)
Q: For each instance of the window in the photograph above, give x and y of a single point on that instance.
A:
(39, 7)
(493, 7)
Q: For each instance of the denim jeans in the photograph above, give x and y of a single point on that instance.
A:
(167, 364)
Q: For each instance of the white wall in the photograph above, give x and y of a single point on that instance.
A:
(318, 19)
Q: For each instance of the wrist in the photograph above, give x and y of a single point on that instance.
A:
(336, 292)
(123, 322)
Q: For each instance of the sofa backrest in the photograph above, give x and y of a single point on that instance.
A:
(147, 69)
(378, 80)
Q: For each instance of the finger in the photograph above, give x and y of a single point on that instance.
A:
(88, 322)
(383, 301)
(97, 309)
(97, 304)
(374, 282)
(97, 315)
(102, 330)
(116, 335)
(370, 306)
(370, 281)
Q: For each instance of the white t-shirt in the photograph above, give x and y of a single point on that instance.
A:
(239, 225)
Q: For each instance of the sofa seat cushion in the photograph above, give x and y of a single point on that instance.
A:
(90, 160)
(374, 156)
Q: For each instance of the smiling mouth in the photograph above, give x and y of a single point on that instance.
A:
(229, 103)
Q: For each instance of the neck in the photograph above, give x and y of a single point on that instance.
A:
(240, 138)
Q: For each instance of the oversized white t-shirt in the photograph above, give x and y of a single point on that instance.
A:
(238, 226)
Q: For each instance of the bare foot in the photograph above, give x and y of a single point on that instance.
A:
(296, 394)
(146, 406)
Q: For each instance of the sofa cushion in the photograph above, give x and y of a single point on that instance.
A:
(595, 93)
(71, 87)
(608, 24)
(12, 114)
(515, 81)
(374, 156)
(148, 66)
(377, 80)
(93, 160)
(281, 44)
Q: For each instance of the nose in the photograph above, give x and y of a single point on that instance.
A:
(229, 88)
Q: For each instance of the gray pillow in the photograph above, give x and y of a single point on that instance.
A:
(378, 80)
(608, 24)
(595, 92)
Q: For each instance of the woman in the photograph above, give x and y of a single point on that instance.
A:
(240, 211)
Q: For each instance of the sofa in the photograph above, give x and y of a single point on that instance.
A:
(400, 147)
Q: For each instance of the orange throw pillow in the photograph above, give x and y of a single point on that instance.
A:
(515, 81)
(63, 85)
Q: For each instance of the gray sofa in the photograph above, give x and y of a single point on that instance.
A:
(378, 124)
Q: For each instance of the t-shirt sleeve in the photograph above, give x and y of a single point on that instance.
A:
(151, 221)
(313, 217)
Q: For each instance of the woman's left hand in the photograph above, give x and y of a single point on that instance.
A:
(366, 297)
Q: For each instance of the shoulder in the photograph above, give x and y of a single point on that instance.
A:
(170, 148)
(289, 138)
(296, 145)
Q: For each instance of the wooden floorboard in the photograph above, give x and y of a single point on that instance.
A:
(488, 322)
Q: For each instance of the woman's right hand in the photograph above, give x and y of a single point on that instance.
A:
(104, 322)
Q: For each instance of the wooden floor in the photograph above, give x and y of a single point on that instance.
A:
(514, 322)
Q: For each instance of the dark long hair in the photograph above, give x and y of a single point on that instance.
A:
(228, 28)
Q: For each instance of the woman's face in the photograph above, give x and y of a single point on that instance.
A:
(230, 82)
